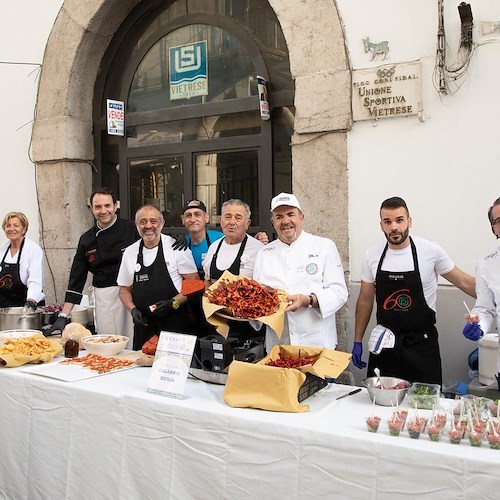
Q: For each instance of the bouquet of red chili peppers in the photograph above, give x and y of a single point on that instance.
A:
(240, 298)
(245, 298)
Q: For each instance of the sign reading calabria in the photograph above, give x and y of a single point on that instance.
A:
(386, 91)
(188, 70)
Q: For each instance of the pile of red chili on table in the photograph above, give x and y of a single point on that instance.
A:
(290, 361)
(246, 298)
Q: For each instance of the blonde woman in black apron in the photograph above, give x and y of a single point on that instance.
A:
(21, 265)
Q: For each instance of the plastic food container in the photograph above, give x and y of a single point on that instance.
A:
(423, 396)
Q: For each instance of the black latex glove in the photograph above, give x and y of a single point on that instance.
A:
(138, 317)
(163, 308)
(29, 307)
(180, 242)
(58, 327)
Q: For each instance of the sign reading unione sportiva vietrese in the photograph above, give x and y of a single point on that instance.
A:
(388, 91)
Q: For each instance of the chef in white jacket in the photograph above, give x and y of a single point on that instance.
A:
(485, 315)
(309, 269)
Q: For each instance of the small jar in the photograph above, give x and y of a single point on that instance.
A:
(71, 348)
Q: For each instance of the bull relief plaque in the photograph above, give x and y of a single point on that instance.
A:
(388, 91)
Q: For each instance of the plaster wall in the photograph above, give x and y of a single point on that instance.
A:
(24, 33)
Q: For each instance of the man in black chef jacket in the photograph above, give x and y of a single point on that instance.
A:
(402, 276)
(150, 278)
(100, 252)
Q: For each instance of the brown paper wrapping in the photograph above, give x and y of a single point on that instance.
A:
(276, 389)
(11, 359)
(275, 321)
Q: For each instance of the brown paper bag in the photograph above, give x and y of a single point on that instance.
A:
(276, 389)
(213, 311)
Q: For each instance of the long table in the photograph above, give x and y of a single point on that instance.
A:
(108, 438)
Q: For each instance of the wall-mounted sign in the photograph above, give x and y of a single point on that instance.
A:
(115, 112)
(263, 100)
(387, 91)
(188, 70)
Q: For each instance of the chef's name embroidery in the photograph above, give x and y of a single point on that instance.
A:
(493, 255)
(398, 301)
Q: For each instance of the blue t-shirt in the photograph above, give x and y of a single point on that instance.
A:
(199, 250)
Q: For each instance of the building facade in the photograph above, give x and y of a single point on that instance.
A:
(209, 139)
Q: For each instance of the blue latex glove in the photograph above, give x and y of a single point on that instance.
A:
(472, 331)
(357, 353)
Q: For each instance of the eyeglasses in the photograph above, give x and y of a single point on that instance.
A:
(496, 222)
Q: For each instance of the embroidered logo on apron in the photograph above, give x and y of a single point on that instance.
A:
(6, 281)
(400, 300)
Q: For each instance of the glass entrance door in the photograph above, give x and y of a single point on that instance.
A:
(160, 182)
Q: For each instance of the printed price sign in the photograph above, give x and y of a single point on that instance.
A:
(171, 364)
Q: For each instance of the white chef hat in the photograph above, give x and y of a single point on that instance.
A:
(287, 199)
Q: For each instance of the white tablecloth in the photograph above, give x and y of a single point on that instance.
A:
(108, 438)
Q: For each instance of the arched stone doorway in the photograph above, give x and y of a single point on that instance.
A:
(63, 143)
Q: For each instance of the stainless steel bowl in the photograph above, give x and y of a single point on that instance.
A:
(386, 397)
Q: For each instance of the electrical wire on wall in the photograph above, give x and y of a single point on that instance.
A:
(449, 79)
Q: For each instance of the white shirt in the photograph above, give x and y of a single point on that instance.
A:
(311, 264)
(228, 253)
(488, 291)
(30, 267)
(432, 261)
(178, 262)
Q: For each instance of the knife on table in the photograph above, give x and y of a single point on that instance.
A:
(349, 393)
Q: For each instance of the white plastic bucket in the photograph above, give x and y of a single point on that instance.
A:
(488, 352)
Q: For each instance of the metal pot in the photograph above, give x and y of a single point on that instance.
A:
(12, 318)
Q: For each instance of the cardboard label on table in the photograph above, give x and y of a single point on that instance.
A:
(171, 364)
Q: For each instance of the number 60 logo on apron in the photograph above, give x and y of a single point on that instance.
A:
(398, 300)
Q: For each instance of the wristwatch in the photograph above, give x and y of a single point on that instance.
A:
(175, 304)
(63, 315)
(311, 301)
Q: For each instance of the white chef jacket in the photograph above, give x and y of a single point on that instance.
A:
(30, 267)
(311, 264)
(488, 293)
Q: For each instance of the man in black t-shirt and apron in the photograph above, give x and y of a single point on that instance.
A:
(403, 289)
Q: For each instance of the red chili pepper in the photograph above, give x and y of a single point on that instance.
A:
(246, 298)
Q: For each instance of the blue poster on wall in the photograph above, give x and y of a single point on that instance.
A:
(188, 70)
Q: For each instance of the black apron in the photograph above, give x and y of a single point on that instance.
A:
(241, 330)
(401, 307)
(13, 292)
(150, 285)
(201, 272)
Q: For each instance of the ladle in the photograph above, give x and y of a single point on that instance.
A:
(377, 373)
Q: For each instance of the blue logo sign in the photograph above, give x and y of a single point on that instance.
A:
(188, 70)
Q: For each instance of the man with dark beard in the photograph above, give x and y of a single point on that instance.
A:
(402, 276)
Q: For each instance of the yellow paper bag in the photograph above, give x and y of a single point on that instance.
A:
(271, 388)
(213, 311)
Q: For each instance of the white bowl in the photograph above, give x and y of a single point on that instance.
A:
(16, 334)
(93, 344)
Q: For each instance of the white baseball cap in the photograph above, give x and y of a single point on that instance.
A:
(285, 199)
